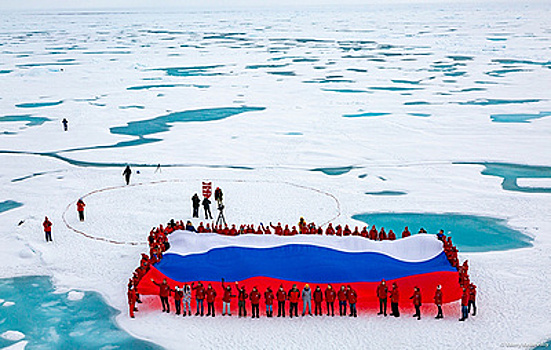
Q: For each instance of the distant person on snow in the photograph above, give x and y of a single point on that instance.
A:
(65, 123)
(199, 297)
(269, 297)
(472, 298)
(126, 173)
(293, 295)
(352, 299)
(80, 209)
(342, 300)
(187, 300)
(195, 201)
(206, 206)
(47, 229)
(211, 298)
(226, 299)
(318, 298)
(178, 295)
(164, 292)
(438, 301)
(254, 297)
(218, 196)
(241, 297)
(464, 305)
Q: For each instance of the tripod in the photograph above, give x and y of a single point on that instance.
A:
(221, 219)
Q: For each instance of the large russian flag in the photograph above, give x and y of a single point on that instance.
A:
(270, 260)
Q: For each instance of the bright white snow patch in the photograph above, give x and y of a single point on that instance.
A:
(8, 303)
(17, 346)
(74, 295)
(535, 182)
(12, 335)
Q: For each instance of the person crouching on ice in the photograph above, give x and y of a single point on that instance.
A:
(199, 297)
(187, 300)
(281, 296)
(255, 302)
(211, 297)
(164, 292)
(226, 299)
(269, 298)
(342, 300)
(241, 298)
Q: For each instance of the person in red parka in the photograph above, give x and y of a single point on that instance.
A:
(281, 296)
(382, 294)
(294, 297)
(438, 301)
(199, 297)
(47, 229)
(464, 305)
(391, 235)
(394, 299)
(318, 298)
(241, 298)
(472, 298)
(406, 233)
(330, 296)
(382, 234)
(80, 209)
(416, 298)
(254, 297)
(330, 231)
(373, 234)
(178, 295)
(226, 299)
(210, 293)
(342, 300)
(269, 298)
(131, 300)
(164, 292)
(352, 299)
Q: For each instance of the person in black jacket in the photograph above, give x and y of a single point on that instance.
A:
(127, 172)
(206, 206)
(195, 202)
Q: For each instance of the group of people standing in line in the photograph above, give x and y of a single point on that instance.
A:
(346, 296)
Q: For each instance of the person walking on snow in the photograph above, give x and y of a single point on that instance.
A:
(126, 173)
(206, 206)
(164, 292)
(47, 229)
(438, 301)
(195, 201)
(281, 296)
(394, 299)
(269, 298)
(306, 300)
(80, 209)
(416, 298)
(382, 294)
(65, 123)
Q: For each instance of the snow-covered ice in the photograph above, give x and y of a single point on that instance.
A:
(12, 335)
(422, 82)
(75, 295)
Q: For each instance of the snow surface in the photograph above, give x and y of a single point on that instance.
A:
(17, 346)
(8, 303)
(12, 335)
(75, 295)
(263, 159)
